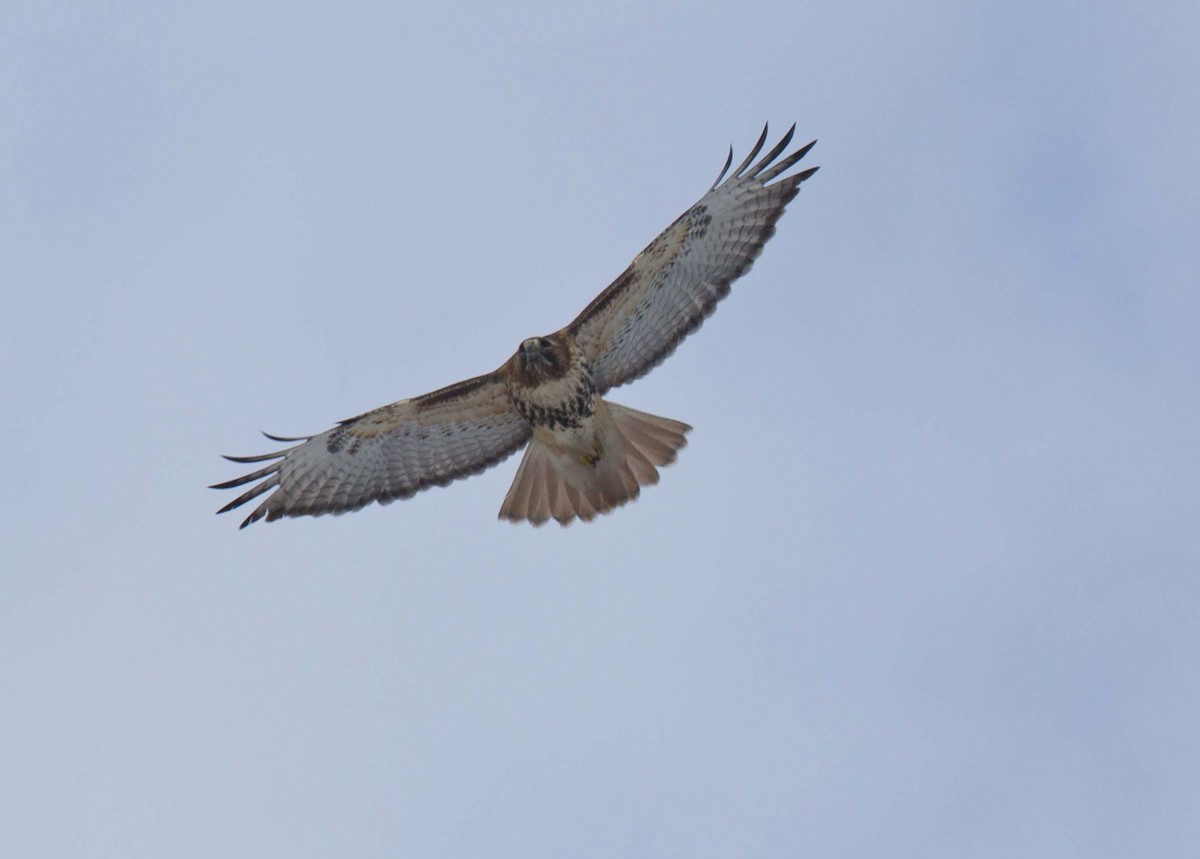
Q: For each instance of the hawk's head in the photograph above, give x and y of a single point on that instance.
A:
(543, 359)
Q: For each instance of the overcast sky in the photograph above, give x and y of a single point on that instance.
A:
(926, 581)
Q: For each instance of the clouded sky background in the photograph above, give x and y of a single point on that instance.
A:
(926, 582)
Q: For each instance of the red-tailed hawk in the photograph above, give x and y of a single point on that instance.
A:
(585, 455)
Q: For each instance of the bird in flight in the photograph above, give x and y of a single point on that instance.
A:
(584, 455)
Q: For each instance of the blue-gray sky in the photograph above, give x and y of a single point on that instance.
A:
(924, 583)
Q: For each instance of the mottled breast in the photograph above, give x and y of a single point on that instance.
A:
(551, 383)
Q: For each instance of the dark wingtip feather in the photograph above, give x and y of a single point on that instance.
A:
(251, 493)
(258, 513)
(269, 471)
(262, 457)
(284, 438)
(774, 153)
(762, 138)
(785, 164)
(721, 175)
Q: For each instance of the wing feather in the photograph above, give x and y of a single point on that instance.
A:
(673, 285)
(390, 453)
(724, 170)
(762, 138)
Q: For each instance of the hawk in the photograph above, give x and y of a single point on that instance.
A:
(584, 455)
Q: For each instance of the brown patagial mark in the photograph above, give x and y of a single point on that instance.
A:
(665, 246)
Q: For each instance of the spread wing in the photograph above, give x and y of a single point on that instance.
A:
(675, 283)
(389, 453)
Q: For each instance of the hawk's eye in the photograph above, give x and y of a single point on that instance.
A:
(543, 343)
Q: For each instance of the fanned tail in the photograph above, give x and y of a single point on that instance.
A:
(559, 482)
